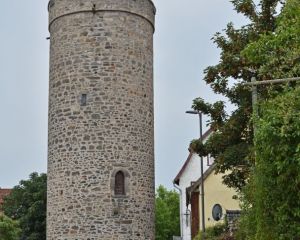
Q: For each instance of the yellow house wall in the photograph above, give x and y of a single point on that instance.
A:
(216, 193)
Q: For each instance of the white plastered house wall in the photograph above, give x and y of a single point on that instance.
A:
(189, 173)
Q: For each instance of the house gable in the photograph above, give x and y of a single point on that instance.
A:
(215, 192)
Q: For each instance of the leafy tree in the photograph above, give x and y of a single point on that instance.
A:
(232, 140)
(9, 229)
(27, 204)
(278, 54)
(271, 206)
(275, 190)
(167, 218)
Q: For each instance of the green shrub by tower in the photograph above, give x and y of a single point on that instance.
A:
(167, 218)
(27, 204)
(9, 229)
(274, 189)
(277, 174)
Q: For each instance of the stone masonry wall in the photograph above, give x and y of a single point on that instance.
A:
(100, 120)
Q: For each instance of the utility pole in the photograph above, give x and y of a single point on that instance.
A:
(255, 96)
(255, 83)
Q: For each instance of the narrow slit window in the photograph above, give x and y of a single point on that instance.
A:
(120, 183)
(83, 99)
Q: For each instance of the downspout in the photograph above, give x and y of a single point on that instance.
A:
(180, 204)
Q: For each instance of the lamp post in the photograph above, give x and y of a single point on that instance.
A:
(202, 180)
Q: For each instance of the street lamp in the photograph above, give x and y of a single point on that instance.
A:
(202, 180)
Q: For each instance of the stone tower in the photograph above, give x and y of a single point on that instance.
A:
(101, 143)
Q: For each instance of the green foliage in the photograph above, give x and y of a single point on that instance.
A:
(217, 232)
(27, 204)
(275, 191)
(277, 53)
(231, 143)
(167, 218)
(247, 222)
(269, 47)
(271, 209)
(198, 147)
(215, 111)
(9, 229)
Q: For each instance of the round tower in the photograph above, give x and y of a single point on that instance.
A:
(101, 143)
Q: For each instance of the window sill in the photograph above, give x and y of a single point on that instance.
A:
(120, 196)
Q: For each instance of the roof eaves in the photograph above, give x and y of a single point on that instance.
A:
(177, 178)
(205, 175)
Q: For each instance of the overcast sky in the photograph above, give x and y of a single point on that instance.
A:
(182, 50)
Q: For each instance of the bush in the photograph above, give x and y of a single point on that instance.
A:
(273, 191)
(27, 204)
(9, 229)
(167, 214)
(217, 232)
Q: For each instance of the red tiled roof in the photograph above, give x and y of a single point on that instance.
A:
(177, 178)
(3, 193)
